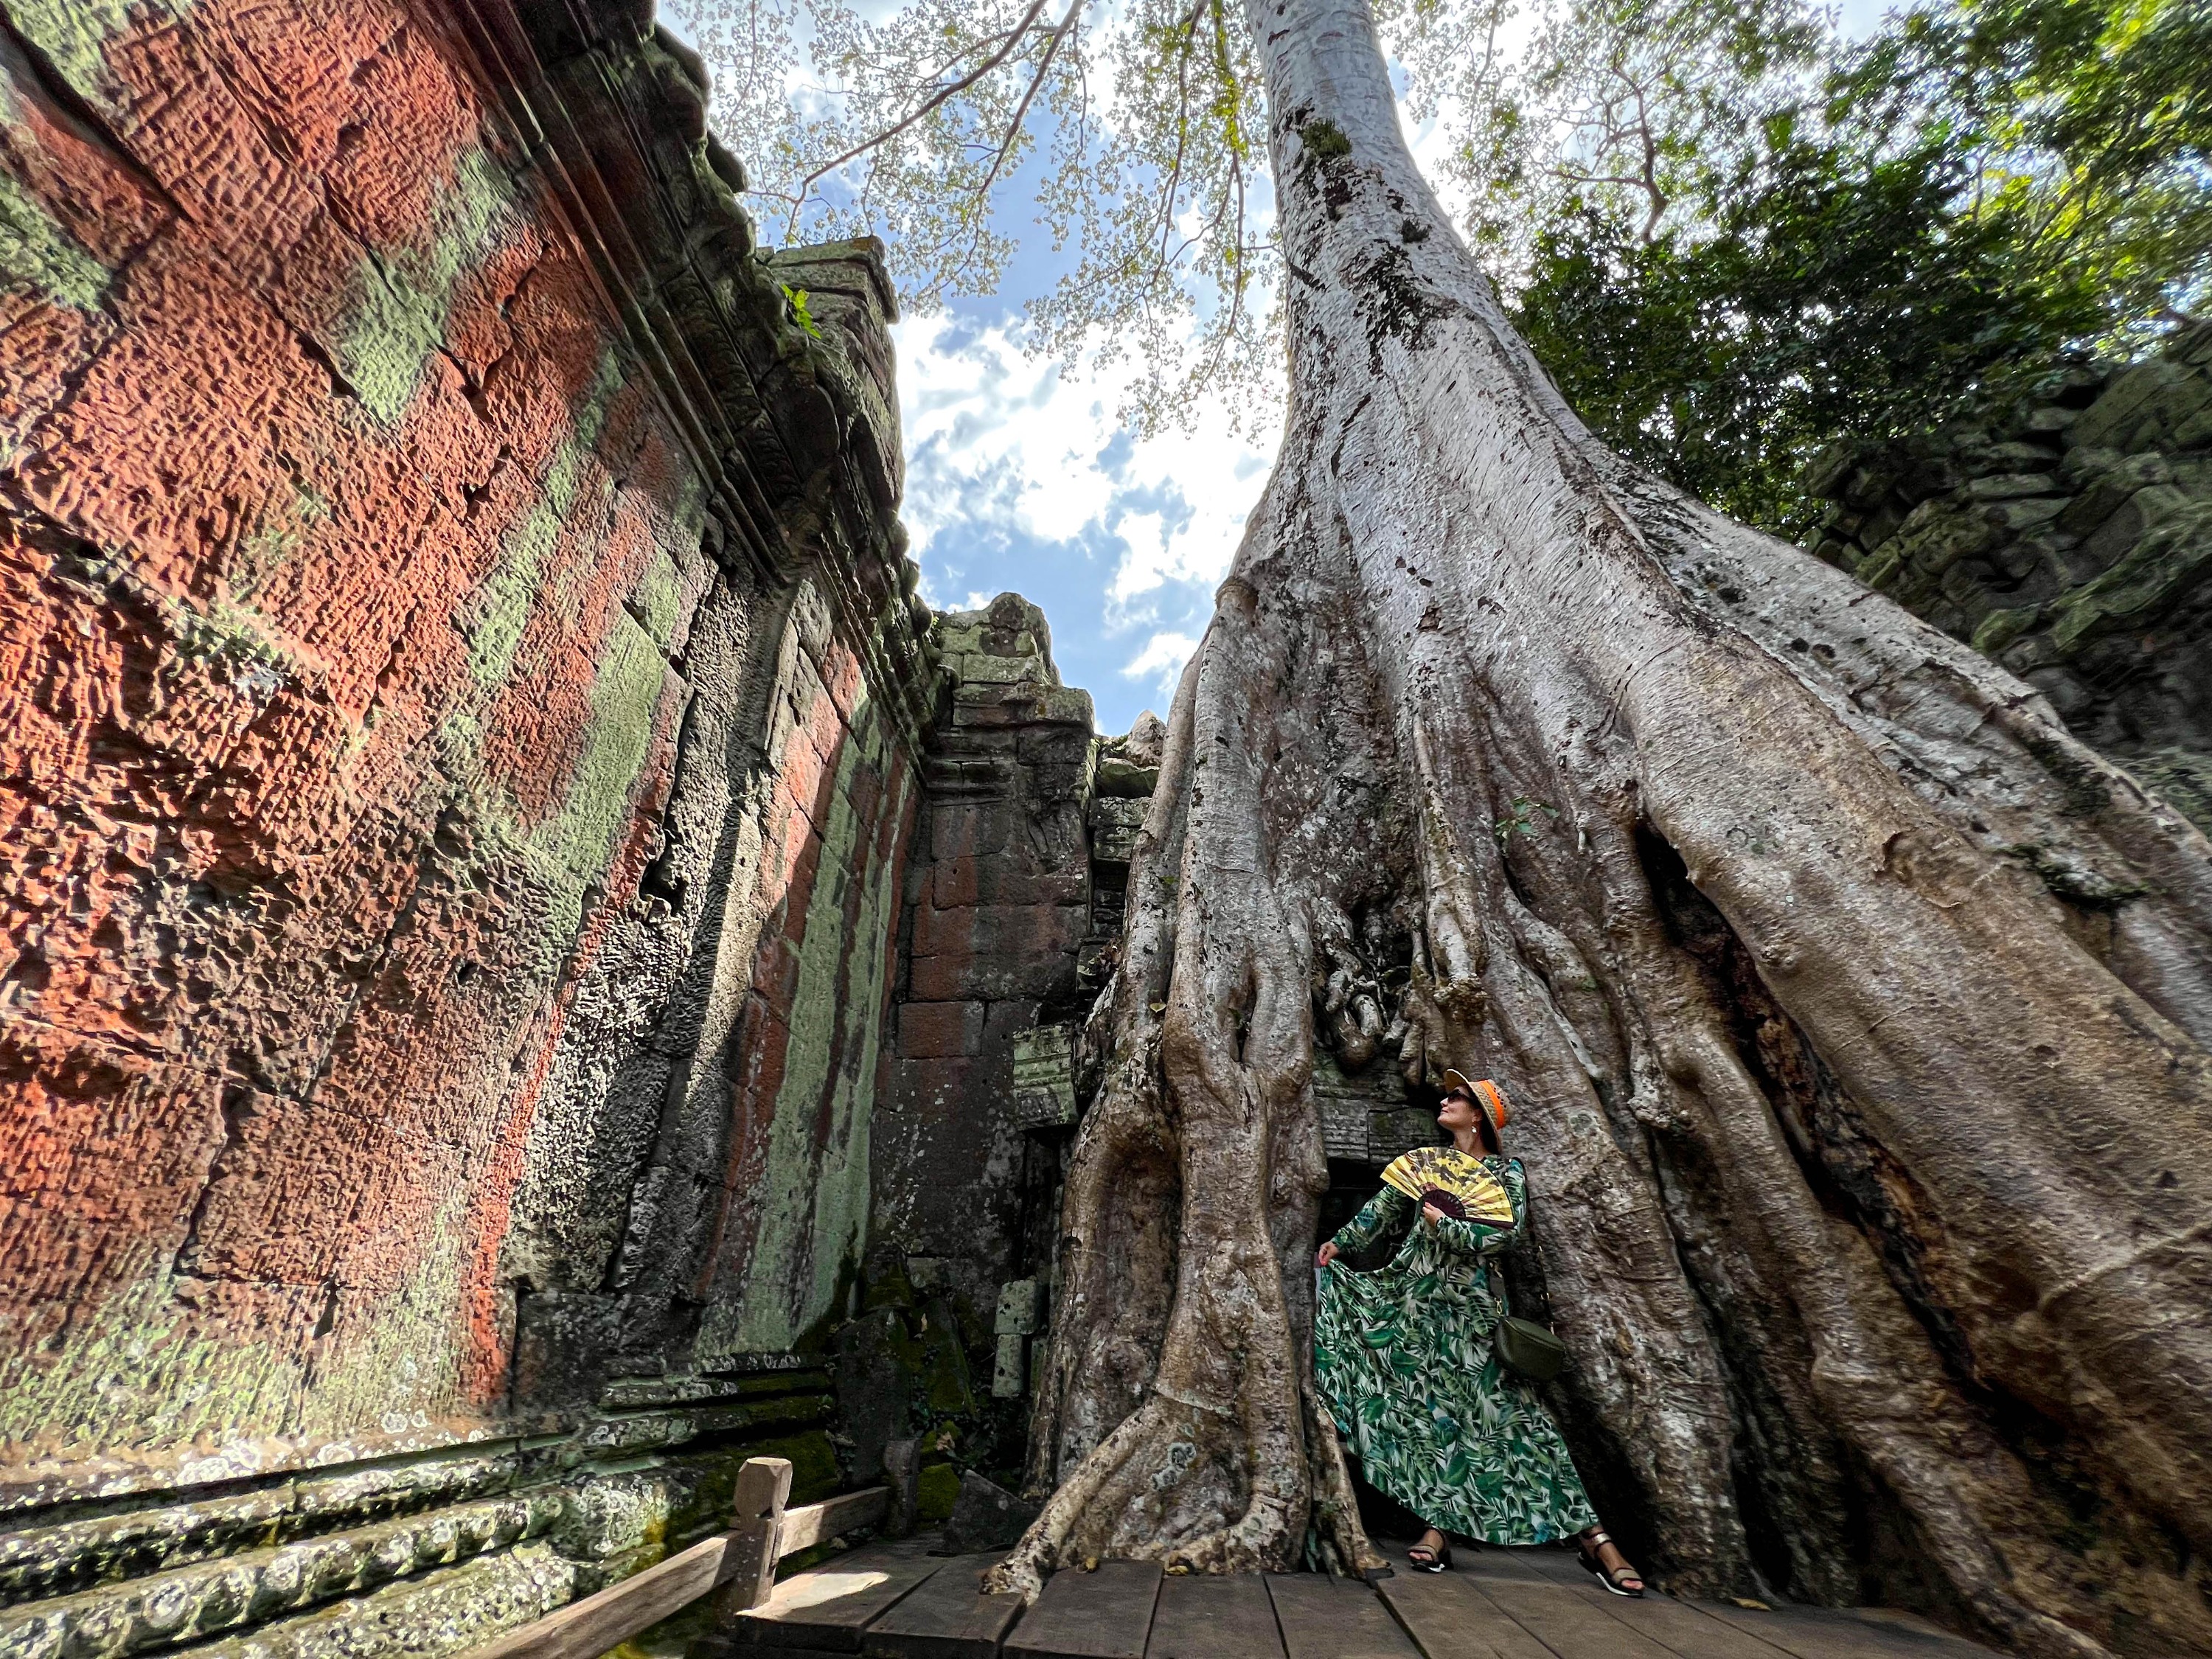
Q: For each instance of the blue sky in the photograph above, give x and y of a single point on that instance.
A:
(1020, 477)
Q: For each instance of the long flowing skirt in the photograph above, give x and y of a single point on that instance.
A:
(1403, 1357)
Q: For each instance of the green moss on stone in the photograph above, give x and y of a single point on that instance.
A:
(939, 1489)
(505, 602)
(815, 1472)
(814, 1188)
(73, 35)
(404, 296)
(617, 741)
(36, 254)
(268, 548)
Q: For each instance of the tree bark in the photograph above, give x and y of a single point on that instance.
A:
(1856, 1013)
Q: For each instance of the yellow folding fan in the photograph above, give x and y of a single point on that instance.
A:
(1455, 1182)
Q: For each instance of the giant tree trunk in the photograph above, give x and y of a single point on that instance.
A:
(1856, 1013)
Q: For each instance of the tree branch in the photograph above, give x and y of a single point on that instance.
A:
(1013, 38)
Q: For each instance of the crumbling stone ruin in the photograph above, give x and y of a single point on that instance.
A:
(537, 967)
(2069, 538)
(504, 876)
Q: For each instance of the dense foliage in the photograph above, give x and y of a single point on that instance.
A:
(1931, 216)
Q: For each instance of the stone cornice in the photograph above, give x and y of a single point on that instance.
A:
(795, 434)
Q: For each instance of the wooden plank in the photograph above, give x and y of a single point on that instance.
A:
(1325, 1618)
(1525, 1566)
(1568, 1622)
(1450, 1618)
(1545, 1561)
(947, 1617)
(1106, 1615)
(828, 1606)
(1212, 1618)
(817, 1524)
(1841, 1633)
(586, 1628)
(1682, 1629)
(1688, 1629)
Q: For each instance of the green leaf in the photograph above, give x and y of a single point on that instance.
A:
(795, 298)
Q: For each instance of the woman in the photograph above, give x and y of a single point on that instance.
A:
(1403, 1356)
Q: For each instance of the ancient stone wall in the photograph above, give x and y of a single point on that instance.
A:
(998, 912)
(2069, 537)
(463, 710)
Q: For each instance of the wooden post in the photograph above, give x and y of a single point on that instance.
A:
(756, 1533)
(902, 1475)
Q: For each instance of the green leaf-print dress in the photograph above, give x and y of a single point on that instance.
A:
(1403, 1357)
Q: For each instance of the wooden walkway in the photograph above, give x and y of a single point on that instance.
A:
(898, 1602)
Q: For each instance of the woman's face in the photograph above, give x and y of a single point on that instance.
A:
(1457, 1113)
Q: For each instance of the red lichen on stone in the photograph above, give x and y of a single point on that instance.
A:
(329, 741)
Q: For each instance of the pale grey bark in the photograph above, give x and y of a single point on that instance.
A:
(1857, 1012)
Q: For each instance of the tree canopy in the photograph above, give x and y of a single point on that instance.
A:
(1928, 220)
(1729, 232)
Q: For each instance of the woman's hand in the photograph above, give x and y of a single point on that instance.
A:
(1432, 1214)
(1326, 1254)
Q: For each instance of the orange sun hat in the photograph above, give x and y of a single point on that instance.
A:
(1485, 1093)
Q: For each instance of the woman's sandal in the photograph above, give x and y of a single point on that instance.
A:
(1422, 1558)
(1616, 1582)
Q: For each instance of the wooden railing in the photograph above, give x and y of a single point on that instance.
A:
(738, 1566)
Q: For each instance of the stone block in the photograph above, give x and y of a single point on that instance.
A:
(1114, 826)
(1880, 524)
(1024, 704)
(955, 882)
(2110, 541)
(2170, 559)
(1054, 745)
(930, 1030)
(2005, 486)
(986, 1517)
(958, 883)
(1125, 779)
(1021, 1308)
(2137, 406)
(2000, 627)
(873, 1384)
(1044, 1076)
(2106, 483)
(948, 978)
(1009, 1367)
(1365, 1117)
(969, 830)
(1069, 705)
(980, 668)
(1826, 470)
(1001, 934)
(2023, 513)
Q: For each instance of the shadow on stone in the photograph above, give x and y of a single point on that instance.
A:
(985, 1516)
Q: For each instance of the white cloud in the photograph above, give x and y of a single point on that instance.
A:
(1162, 659)
(996, 442)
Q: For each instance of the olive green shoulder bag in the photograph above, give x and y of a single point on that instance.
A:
(1527, 1349)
